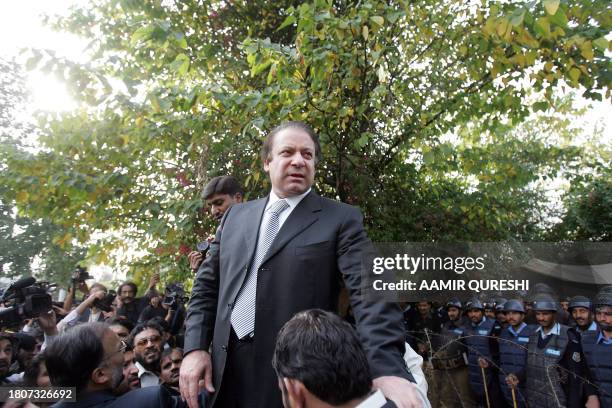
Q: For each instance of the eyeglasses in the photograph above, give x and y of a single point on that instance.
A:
(153, 339)
(123, 345)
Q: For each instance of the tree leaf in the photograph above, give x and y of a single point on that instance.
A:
(551, 6)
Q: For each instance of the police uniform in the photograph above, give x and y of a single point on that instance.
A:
(555, 368)
(450, 363)
(512, 358)
(480, 341)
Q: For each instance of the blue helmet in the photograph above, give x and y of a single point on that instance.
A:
(514, 305)
(454, 302)
(474, 304)
(580, 301)
(545, 303)
(499, 304)
(603, 299)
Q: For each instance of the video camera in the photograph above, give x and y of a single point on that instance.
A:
(80, 275)
(105, 304)
(25, 299)
(174, 294)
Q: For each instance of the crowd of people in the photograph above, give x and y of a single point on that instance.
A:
(540, 352)
(258, 329)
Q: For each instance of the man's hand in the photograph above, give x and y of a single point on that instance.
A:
(592, 402)
(512, 380)
(154, 280)
(483, 362)
(195, 259)
(399, 390)
(48, 322)
(195, 366)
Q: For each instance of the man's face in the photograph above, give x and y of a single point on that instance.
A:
(515, 318)
(25, 356)
(219, 203)
(120, 331)
(127, 294)
(501, 317)
(603, 316)
(155, 301)
(147, 348)
(424, 308)
(6, 355)
(113, 358)
(490, 313)
(291, 163)
(453, 313)
(475, 315)
(564, 304)
(545, 319)
(130, 374)
(582, 316)
(170, 368)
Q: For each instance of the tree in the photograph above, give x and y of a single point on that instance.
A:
(382, 83)
(24, 240)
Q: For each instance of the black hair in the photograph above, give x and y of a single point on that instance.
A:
(323, 352)
(142, 327)
(169, 351)
(266, 148)
(222, 185)
(130, 284)
(75, 354)
(121, 321)
(30, 375)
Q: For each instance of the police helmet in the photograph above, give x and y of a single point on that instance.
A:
(454, 302)
(603, 299)
(514, 305)
(474, 304)
(544, 302)
(499, 304)
(580, 301)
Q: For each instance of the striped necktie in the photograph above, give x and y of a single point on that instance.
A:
(243, 313)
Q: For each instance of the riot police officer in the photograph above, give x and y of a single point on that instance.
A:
(450, 361)
(580, 310)
(513, 353)
(483, 354)
(555, 363)
(597, 348)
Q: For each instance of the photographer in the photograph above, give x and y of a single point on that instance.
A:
(86, 311)
(129, 305)
(154, 309)
(219, 194)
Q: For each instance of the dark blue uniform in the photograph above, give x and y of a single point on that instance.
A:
(512, 359)
(598, 356)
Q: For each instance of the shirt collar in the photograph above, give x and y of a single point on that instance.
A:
(375, 400)
(293, 201)
(602, 339)
(516, 333)
(555, 330)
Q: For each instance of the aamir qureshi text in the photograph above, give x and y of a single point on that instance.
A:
(474, 285)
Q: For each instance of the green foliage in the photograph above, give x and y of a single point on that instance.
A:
(196, 84)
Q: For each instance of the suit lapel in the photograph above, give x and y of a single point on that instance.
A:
(300, 218)
(251, 226)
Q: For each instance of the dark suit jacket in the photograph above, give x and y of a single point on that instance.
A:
(150, 397)
(319, 244)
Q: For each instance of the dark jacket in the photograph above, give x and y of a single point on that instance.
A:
(149, 397)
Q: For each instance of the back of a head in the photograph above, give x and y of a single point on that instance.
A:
(222, 185)
(323, 352)
(74, 355)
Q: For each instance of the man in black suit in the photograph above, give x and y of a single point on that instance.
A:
(319, 362)
(89, 357)
(270, 259)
